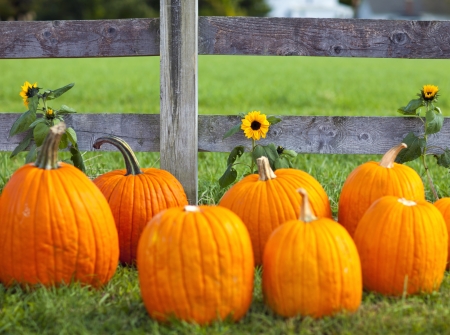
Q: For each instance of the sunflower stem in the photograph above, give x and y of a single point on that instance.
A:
(424, 153)
(253, 162)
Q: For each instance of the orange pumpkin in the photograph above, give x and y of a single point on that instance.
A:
(267, 200)
(196, 264)
(443, 205)
(311, 267)
(55, 226)
(136, 195)
(403, 246)
(372, 180)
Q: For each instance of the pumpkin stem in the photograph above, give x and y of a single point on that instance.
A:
(191, 209)
(47, 158)
(131, 162)
(389, 157)
(265, 172)
(306, 213)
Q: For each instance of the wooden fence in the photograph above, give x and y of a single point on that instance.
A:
(178, 132)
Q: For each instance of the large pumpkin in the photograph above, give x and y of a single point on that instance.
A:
(311, 267)
(372, 180)
(196, 264)
(55, 224)
(402, 245)
(443, 205)
(266, 200)
(136, 195)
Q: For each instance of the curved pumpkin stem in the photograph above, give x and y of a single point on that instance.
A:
(306, 213)
(131, 162)
(47, 158)
(389, 157)
(264, 170)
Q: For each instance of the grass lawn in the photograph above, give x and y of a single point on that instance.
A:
(227, 85)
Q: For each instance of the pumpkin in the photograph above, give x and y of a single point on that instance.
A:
(402, 245)
(136, 195)
(195, 263)
(443, 205)
(55, 224)
(266, 200)
(311, 267)
(372, 180)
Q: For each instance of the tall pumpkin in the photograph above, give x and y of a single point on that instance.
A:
(55, 224)
(266, 200)
(443, 205)
(402, 245)
(196, 264)
(311, 267)
(372, 180)
(136, 195)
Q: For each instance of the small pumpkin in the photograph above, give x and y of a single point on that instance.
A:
(443, 205)
(372, 180)
(403, 246)
(55, 224)
(311, 267)
(266, 200)
(195, 263)
(136, 195)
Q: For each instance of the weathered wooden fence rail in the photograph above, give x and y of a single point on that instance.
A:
(178, 132)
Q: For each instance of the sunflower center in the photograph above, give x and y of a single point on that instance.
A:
(32, 92)
(255, 125)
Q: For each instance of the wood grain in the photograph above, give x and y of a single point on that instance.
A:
(230, 36)
(179, 96)
(96, 38)
(304, 134)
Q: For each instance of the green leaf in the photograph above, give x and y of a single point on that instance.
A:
(40, 132)
(38, 120)
(64, 142)
(273, 119)
(71, 135)
(33, 104)
(77, 158)
(443, 159)
(228, 177)
(289, 153)
(282, 163)
(66, 110)
(22, 145)
(53, 94)
(269, 151)
(411, 108)
(232, 131)
(22, 123)
(31, 156)
(235, 154)
(434, 122)
(414, 150)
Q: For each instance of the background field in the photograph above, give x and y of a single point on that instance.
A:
(227, 85)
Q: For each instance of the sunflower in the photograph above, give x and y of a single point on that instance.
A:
(28, 91)
(429, 92)
(255, 125)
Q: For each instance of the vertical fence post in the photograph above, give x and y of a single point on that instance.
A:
(179, 103)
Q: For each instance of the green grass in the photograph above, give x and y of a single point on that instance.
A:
(227, 85)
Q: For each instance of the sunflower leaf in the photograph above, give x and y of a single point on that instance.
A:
(22, 145)
(31, 156)
(434, 122)
(411, 107)
(39, 120)
(66, 110)
(49, 95)
(40, 132)
(232, 131)
(443, 159)
(228, 177)
(269, 151)
(289, 153)
(77, 158)
(235, 154)
(414, 150)
(273, 119)
(22, 123)
(64, 142)
(71, 135)
(282, 163)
